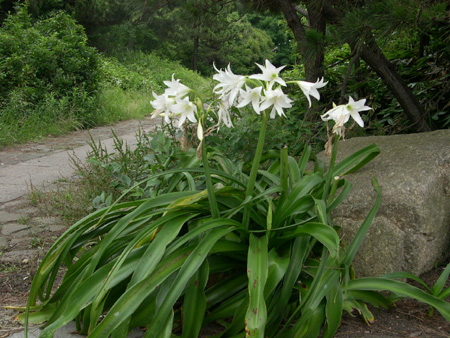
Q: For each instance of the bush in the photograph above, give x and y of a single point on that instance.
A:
(146, 72)
(45, 63)
(47, 55)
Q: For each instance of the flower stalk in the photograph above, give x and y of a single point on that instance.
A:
(255, 167)
(209, 186)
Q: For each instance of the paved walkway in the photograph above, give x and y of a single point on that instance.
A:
(40, 164)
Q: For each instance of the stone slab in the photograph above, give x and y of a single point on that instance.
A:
(13, 228)
(20, 256)
(41, 168)
(6, 217)
(68, 331)
(43, 221)
(411, 231)
(3, 243)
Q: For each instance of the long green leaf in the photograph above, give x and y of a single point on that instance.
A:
(322, 232)
(82, 296)
(277, 269)
(133, 297)
(333, 310)
(357, 160)
(440, 283)
(157, 247)
(361, 234)
(401, 289)
(373, 297)
(171, 225)
(295, 173)
(194, 304)
(404, 275)
(277, 307)
(257, 271)
(304, 159)
(191, 265)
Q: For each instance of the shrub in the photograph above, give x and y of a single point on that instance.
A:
(45, 64)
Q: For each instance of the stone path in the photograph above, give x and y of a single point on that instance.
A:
(40, 164)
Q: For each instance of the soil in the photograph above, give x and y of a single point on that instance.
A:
(408, 319)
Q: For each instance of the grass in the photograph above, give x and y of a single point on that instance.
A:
(23, 220)
(124, 93)
(71, 200)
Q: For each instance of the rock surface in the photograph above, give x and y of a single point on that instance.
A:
(411, 231)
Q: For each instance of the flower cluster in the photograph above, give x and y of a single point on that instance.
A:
(341, 114)
(263, 91)
(175, 101)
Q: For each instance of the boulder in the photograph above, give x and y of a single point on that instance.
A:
(411, 231)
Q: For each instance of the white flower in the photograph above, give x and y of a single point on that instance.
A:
(277, 99)
(186, 109)
(224, 114)
(341, 114)
(200, 132)
(229, 84)
(163, 103)
(252, 95)
(175, 88)
(269, 74)
(310, 88)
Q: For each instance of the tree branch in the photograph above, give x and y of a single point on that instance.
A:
(347, 76)
(301, 11)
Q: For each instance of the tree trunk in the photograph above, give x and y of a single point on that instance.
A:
(195, 53)
(317, 22)
(313, 65)
(375, 58)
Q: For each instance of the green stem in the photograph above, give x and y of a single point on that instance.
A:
(255, 167)
(209, 185)
(330, 174)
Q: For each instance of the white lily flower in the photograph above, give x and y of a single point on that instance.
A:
(224, 114)
(341, 114)
(163, 103)
(186, 109)
(229, 84)
(269, 74)
(310, 88)
(277, 99)
(175, 88)
(252, 95)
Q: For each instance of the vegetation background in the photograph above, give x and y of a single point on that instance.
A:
(74, 64)
(77, 64)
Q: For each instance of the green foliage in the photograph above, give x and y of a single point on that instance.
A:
(49, 76)
(146, 72)
(294, 133)
(125, 168)
(157, 261)
(224, 35)
(278, 30)
(36, 102)
(49, 55)
(243, 45)
(413, 35)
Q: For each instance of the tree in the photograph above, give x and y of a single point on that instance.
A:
(361, 24)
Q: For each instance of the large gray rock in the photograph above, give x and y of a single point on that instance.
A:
(411, 231)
